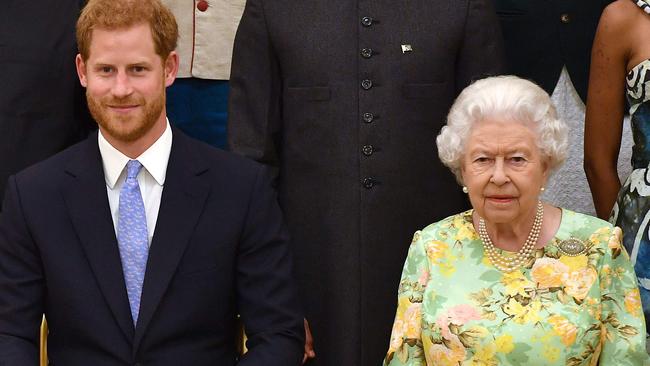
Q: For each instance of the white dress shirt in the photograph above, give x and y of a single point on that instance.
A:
(151, 177)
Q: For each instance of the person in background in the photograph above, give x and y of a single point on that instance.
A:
(339, 97)
(514, 281)
(141, 245)
(620, 71)
(197, 102)
(550, 43)
(42, 109)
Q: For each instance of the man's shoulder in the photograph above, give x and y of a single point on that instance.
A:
(221, 163)
(49, 169)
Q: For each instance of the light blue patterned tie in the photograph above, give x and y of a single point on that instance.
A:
(132, 236)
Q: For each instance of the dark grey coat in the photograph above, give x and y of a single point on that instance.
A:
(345, 99)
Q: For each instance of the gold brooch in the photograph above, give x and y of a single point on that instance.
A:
(572, 247)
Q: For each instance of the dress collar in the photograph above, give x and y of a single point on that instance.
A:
(154, 159)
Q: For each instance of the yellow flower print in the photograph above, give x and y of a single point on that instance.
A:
(578, 283)
(547, 272)
(593, 307)
(614, 244)
(600, 235)
(633, 302)
(486, 261)
(407, 323)
(438, 354)
(523, 314)
(484, 355)
(446, 269)
(616, 238)
(576, 263)
(464, 229)
(504, 343)
(436, 250)
(516, 283)
(564, 329)
(550, 353)
(605, 276)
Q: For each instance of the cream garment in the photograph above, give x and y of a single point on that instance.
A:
(568, 187)
(206, 36)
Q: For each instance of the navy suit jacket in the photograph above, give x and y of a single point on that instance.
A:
(219, 249)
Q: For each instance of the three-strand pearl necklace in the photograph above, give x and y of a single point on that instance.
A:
(511, 263)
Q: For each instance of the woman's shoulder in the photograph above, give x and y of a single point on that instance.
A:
(619, 16)
(585, 227)
(577, 220)
(453, 223)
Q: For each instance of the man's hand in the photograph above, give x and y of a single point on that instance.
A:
(309, 344)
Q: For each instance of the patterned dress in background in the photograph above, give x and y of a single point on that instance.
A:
(455, 308)
(632, 210)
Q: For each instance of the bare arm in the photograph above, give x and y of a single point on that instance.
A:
(605, 108)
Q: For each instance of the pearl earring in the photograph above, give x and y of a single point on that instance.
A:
(542, 189)
(465, 190)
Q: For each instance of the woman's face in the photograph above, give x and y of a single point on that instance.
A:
(503, 170)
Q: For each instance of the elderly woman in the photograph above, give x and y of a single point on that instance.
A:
(514, 281)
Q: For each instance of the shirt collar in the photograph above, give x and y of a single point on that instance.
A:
(154, 159)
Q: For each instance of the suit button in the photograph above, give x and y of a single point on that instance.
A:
(366, 84)
(202, 5)
(368, 117)
(368, 183)
(366, 53)
(366, 21)
(367, 150)
(565, 18)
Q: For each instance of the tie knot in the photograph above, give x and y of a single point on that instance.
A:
(133, 168)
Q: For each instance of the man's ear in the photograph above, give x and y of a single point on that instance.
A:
(81, 70)
(171, 68)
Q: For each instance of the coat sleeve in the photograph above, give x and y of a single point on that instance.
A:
(481, 52)
(254, 110)
(22, 285)
(267, 297)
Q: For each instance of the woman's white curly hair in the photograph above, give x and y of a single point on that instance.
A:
(508, 98)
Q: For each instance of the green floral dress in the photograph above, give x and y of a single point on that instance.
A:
(455, 308)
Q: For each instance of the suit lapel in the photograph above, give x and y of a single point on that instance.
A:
(87, 202)
(182, 202)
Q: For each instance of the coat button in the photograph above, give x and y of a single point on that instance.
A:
(565, 18)
(202, 5)
(368, 183)
(366, 21)
(366, 84)
(366, 53)
(368, 117)
(367, 150)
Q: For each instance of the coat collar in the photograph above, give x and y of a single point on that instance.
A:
(183, 198)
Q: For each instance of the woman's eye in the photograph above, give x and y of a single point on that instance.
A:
(482, 159)
(518, 159)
